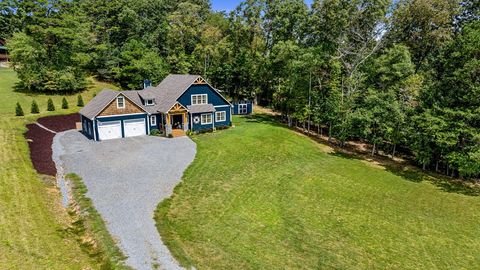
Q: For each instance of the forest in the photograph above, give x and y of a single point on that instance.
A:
(400, 75)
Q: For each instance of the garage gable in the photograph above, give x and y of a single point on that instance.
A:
(129, 107)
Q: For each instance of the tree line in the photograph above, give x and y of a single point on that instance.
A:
(396, 74)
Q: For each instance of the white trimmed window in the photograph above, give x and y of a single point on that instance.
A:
(153, 120)
(149, 102)
(199, 99)
(120, 102)
(221, 116)
(206, 119)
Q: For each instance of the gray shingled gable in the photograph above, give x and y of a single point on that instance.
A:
(96, 105)
(107, 96)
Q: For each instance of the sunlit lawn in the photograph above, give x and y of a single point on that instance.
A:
(33, 226)
(260, 196)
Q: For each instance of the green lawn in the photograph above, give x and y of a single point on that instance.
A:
(33, 225)
(260, 196)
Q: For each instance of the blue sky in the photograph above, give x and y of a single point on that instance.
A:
(228, 5)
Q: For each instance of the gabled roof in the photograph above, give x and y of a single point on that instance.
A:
(104, 98)
(170, 89)
(98, 103)
(165, 95)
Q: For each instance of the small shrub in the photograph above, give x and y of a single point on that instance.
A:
(170, 135)
(155, 132)
(189, 133)
(94, 94)
(34, 107)
(19, 110)
(64, 103)
(50, 105)
(80, 101)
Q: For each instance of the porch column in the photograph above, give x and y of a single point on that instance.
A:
(185, 121)
(168, 126)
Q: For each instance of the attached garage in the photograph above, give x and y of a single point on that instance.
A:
(109, 130)
(134, 127)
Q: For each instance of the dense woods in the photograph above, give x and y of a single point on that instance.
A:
(396, 74)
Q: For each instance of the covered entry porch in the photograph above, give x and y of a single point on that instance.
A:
(176, 121)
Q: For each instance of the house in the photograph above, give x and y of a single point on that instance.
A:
(178, 104)
(242, 107)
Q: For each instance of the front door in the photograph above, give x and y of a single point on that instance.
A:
(177, 121)
(242, 108)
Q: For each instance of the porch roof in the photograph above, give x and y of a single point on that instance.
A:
(201, 108)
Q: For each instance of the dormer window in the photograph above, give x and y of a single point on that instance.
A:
(120, 102)
(149, 102)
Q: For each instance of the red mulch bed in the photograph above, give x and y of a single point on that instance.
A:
(60, 123)
(40, 140)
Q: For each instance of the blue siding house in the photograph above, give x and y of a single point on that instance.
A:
(242, 107)
(178, 104)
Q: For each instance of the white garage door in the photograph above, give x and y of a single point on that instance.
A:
(109, 130)
(134, 127)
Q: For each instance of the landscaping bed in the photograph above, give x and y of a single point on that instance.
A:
(40, 140)
(60, 123)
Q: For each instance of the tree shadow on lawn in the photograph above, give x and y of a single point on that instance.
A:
(406, 169)
(20, 88)
(409, 172)
(265, 119)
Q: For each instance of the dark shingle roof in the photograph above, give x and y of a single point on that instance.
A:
(201, 108)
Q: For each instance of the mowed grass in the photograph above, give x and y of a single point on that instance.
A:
(260, 196)
(33, 224)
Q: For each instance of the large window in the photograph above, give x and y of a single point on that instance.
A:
(199, 99)
(206, 119)
(153, 120)
(120, 102)
(221, 116)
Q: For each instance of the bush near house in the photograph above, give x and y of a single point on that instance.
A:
(80, 101)
(50, 105)
(155, 132)
(64, 103)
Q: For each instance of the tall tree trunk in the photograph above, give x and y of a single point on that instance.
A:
(373, 149)
(394, 150)
(448, 168)
(423, 166)
(436, 166)
(330, 132)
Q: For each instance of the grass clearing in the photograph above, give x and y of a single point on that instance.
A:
(33, 224)
(258, 196)
(92, 231)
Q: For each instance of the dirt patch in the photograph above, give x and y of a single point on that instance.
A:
(40, 140)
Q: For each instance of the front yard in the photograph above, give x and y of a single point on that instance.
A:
(259, 196)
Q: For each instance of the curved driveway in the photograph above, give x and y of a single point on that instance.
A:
(126, 179)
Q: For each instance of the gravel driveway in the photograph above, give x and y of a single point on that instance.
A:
(127, 179)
